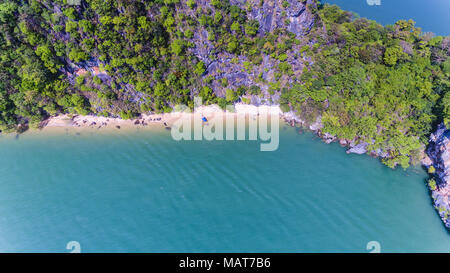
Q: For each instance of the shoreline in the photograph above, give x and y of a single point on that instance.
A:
(440, 194)
(150, 120)
(438, 166)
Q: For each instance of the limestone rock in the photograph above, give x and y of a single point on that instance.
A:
(439, 155)
(360, 148)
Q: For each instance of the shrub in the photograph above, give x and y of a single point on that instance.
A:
(432, 184)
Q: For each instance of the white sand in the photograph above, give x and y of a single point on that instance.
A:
(148, 119)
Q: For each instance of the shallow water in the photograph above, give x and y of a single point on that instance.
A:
(142, 191)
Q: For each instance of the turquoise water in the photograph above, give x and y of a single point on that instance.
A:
(430, 15)
(141, 191)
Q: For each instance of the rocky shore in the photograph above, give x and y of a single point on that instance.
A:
(436, 159)
(438, 164)
(354, 146)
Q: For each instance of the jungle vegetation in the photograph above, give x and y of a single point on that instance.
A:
(385, 85)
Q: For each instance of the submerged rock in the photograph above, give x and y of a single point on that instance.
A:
(439, 157)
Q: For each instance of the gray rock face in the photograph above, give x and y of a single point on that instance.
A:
(301, 21)
(203, 47)
(292, 118)
(358, 149)
(317, 125)
(296, 8)
(328, 138)
(271, 15)
(439, 154)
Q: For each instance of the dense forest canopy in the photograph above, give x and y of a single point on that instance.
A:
(387, 86)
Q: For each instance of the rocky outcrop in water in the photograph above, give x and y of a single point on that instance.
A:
(358, 148)
(438, 164)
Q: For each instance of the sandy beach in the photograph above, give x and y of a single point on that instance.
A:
(151, 120)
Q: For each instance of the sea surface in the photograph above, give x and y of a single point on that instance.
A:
(430, 15)
(141, 191)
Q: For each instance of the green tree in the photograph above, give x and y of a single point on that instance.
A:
(231, 95)
(200, 68)
(392, 55)
(190, 3)
(177, 46)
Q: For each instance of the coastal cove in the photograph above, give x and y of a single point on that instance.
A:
(138, 190)
(89, 157)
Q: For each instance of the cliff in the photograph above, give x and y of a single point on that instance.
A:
(438, 165)
(243, 70)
